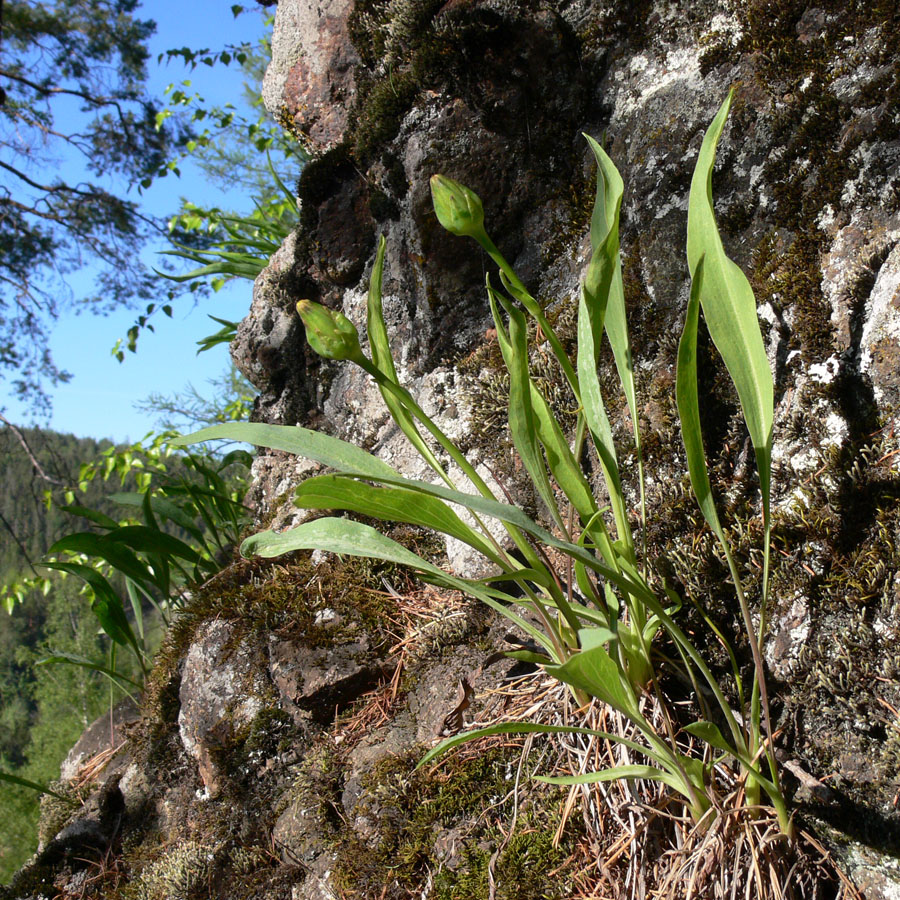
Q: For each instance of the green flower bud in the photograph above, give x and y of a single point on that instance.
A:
(331, 334)
(458, 209)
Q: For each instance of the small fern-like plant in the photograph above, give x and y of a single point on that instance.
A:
(594, 619)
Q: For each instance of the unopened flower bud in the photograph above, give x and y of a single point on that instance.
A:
(458, 209)
(331, 334)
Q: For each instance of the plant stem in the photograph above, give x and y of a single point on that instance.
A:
(468, 469)
(520, 292)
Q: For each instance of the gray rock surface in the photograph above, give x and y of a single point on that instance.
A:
(104, 735)
(223, 688)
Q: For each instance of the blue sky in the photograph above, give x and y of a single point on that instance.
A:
(99, 399)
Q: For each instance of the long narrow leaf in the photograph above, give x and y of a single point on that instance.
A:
(91, 515)
(605, 231)
(151, 540)
(380, 349)
(35, 786)
(285, 190)
(106, 606)
(517, 290)
(604, 262)
(162, 507)
(688, 402)
(729, 307)
(136, 607)
(390, 503)
(341, 536)
(524, 728)
(119, 557)
(351, 460)
(594, 672)
(72, 659)
(522, 427)
(596, 418)
(344, 536)
(320, 448)
(631, 773)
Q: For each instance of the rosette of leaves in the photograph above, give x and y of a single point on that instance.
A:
(595, 618)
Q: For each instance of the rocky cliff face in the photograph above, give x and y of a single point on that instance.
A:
(275, 753)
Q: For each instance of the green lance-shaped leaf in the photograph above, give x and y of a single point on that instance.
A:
(380, 350)
(604, 290)
(594, 672)
(710, 734)
(162, 507)
(119, 557)
(35, 786)
(286, 192)
(144, 539)
(729, 307)
(605, 241)
(341, 536)
(392, 504)
(589, 638)
(522, 728)
(604, 263)
(92, 515)
(688, 401)
(667, 774)
(538, 416)
(621, 773)
(596, 418)
(106, 606)
(522, 426)
(351, 460)
(563, 465)
(533, 425)
(72, 659)
(344, 536)
(313, 445)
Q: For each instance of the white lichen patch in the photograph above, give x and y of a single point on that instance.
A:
(804, 460)
(862, 158)
(766, 313)
(646, 77)
(882, 323)
(182, 872)
(827, 218)
(836, 430)
(722, 25)
(789, 631)
(825, 372)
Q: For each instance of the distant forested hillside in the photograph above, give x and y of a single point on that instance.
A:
(43, 709)
(27, 527)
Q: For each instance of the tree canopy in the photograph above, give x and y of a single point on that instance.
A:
(72, 94)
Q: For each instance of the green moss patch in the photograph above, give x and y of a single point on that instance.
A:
(445, 825)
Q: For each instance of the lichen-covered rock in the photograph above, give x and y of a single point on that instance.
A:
(312, 70)
(223, 688)
(269, 347)
(318, 681)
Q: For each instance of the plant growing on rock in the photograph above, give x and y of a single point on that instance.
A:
(585, 592)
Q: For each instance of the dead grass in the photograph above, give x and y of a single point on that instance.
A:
(639, 841)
